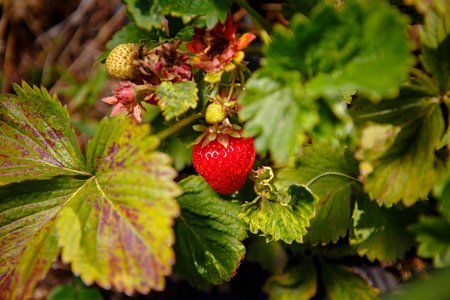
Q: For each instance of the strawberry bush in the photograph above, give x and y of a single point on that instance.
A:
(332, 149)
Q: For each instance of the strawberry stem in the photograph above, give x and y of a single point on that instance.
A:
(177, 126)
(331, 173)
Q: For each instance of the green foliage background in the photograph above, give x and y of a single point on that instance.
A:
(352, 122)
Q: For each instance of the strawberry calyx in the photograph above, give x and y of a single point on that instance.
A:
(219, 131)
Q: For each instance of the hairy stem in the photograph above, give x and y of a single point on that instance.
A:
(331, 173)
(177, 126)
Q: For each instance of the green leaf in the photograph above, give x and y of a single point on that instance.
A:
(334, 189)
(299, 283)
(435, 45)
(434, 240)
(380, 233)
(272, 256)
(175, 99)
(299, 89)
(178, 150)
(398, 160)
(370, 59)
(115, 230)
(149, 14)
(282, 220)
(431, 285)
(89, 294)
(277, 113)
(444, 206)
(36, 139)
(130, 33)
(208, 233)
(63, 292)
(342, 283)
(69, 292)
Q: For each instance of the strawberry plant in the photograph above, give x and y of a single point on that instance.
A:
(330, 153)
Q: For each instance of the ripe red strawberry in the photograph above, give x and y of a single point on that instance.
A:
(224, 168)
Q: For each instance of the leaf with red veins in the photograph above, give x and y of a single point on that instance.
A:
(114, 227)
(36, 141)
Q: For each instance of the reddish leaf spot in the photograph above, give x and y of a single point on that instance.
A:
(112, 149)
(121, 164)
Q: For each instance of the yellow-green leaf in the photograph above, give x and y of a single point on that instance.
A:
(282, 220)
(116, 229)
(175, 99)
(36, 140)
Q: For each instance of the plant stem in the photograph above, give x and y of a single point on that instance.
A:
(252, 12)
(331, 173)
(177, 126)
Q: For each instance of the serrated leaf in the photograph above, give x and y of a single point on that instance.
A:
(35, 137)
(278, 220)
(114, 226)
(403, 165)
(299, 283)
(380, 233)
(116, 229)
(434, 240)
(370, 59)
(298, 91)
(29, 245)
(333, 212)
(435, 44)
(273, 106)
(208, 232)
(175, 99)
(149, 14)
(342, 283)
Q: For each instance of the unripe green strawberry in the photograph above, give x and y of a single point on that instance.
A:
(225, 169)
(215, 113)
(119, 62)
